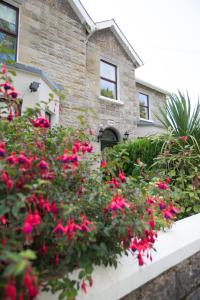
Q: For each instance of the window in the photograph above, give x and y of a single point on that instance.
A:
(144, 106)
(8, 31)
(108, 80)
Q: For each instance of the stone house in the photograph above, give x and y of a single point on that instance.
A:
(59, 46)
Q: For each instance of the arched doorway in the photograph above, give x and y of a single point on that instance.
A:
(109, 138)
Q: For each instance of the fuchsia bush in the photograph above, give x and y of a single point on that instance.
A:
(57, 214)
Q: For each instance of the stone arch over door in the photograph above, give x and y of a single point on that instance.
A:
(109, 138)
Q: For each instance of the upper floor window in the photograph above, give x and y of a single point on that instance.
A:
(108, 80)
(9, 16)
(144, 106)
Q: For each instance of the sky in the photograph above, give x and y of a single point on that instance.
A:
(164, 33)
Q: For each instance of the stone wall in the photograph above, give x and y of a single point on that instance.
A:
(122, 117)
(53, 39)
(181, 282)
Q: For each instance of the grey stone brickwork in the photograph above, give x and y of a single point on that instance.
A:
(52, 38)
(182, 282)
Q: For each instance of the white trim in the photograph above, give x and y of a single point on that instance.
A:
(151, 86)
(82, 14)
(146, 120)
(92, 27)
(115, 101)
(122, 40)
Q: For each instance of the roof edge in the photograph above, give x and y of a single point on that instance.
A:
(151, 86)
(122, 40)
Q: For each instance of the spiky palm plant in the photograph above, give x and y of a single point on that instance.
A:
(179, 116)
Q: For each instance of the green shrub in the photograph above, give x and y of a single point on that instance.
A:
(181, 162)
(127, 156)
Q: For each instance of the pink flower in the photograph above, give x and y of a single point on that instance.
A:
(10, 292)
(84, 286)
(161, 185)
(27, 228)
(41, 123)
(103, 164)
(114, 183)
(183, 138)
(59, 229)
(122, 176)
(43, 165)
(11, 160)
(168, 180)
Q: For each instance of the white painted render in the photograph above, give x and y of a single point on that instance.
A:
(173, 246)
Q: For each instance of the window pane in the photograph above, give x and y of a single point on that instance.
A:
(107, 71)
(9, 43)
(8, 18)
(108, 89)
(144, 112)
(143, 99)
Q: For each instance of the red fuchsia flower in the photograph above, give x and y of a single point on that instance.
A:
(71, 228)
(3, 220)
(13, 93)
(54, 208)
(117, 203)
(10, 292)
(103, 164)
(6, 85)
(30, 282)
(168, 215)
(140, 259)
(84, 286)
(114, 183)
(27, 228)
(161, 185)
(162, 205)
(122, 177)
(168, 180)
(9, 185)
(43, 165)
(59, 229)
(183, 138)
(41, 123)
(4, 177)
(150, 200)
(10, 116)
(85, 225)
(2, 149)
(11, 160)
(173, 209)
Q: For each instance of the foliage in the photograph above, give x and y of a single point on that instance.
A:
(178, 115)
(58, 215)
(134, 154)
(181, 162)
(107, 93)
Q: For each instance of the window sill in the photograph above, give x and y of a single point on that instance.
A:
(111, 100)
(146, 120)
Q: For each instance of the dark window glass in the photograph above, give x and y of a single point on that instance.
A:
(144, 106)
(108, 80)
(8, 31)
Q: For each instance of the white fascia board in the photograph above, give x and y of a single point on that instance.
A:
(122, 40)
(82, 14)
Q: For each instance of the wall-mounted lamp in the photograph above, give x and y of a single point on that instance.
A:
(126, 135)
(100, 134)
(34, 86)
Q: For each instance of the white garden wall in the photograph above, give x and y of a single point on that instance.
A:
(173, 246)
